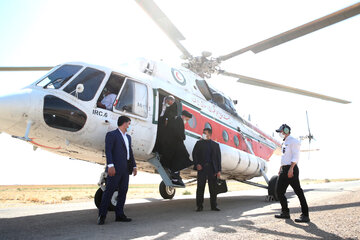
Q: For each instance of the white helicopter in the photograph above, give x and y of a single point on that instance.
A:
(59, 112)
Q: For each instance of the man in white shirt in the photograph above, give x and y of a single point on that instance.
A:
(108, 101)
(289, 175)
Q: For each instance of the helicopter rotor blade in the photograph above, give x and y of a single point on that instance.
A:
(279, 87)
(297, 32)
(159, 17)
(17, 69)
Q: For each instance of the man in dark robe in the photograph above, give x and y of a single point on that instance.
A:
(175, 156)
(168, 113)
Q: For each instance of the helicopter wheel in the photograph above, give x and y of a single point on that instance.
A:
(98, 197)
(166, 192)
(272, 188)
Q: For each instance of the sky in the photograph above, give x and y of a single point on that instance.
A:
(39, 32)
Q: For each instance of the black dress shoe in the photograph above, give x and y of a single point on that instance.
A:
(122, 219)
(283, 215)
(215, 209)
(101, 220)
(303, 219)
(199, 209)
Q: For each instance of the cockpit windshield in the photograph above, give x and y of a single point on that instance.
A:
(223, 102)
(59, 77)
(86, 84)
(216, 97)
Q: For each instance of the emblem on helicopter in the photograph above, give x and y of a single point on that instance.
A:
(178, 76)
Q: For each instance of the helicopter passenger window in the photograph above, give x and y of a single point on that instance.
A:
(133, 99)
(91, 79)
(59, 77)
(207, 125)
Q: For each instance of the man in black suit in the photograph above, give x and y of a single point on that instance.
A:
(207, 161)
(175, 156)
(120, 163)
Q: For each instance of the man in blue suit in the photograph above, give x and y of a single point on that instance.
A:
(120, 163)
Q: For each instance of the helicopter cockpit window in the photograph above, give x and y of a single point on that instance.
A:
(230, 106)
(110, 91)
(90, 79)
(133, 99)
(204, 89)
(219, 100)
(59, 77)
(223, 102)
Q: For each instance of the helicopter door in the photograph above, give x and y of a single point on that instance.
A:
(134, 101)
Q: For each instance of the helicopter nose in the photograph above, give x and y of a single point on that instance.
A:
(14, 108)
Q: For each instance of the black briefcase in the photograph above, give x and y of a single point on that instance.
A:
(220, 186)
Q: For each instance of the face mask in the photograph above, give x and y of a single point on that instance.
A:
(184, 122)
(204, 136)
(129, 128)
(282, 135)
(167, 105)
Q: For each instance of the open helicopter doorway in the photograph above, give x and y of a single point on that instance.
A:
(161, 123)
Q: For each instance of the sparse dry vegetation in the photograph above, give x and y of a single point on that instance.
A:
(16, 195)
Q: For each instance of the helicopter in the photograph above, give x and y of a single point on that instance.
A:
(60, 112)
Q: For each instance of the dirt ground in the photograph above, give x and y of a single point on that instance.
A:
(21, 195)
(334, 212)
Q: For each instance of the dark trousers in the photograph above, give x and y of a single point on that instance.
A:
(206, 173)
(118, 182)
(294, 182)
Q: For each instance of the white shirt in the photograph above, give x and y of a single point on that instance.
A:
(291, 151)
(126, 140)
(108, 101)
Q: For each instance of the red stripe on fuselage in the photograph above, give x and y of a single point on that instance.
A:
(260, 150)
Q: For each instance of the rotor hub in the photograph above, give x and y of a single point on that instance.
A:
(203, 66)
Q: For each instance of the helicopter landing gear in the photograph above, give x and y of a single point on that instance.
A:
(167, 192)
(272, 189)
(98, 197)
(100, 191)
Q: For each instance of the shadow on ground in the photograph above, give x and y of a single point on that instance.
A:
(163, 219)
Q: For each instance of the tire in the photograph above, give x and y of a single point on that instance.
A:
(98, 197)
(272, 188)
(165, 191)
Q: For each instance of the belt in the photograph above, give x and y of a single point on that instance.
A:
(288, 166)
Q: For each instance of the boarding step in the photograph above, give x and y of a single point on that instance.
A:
(165, 174)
